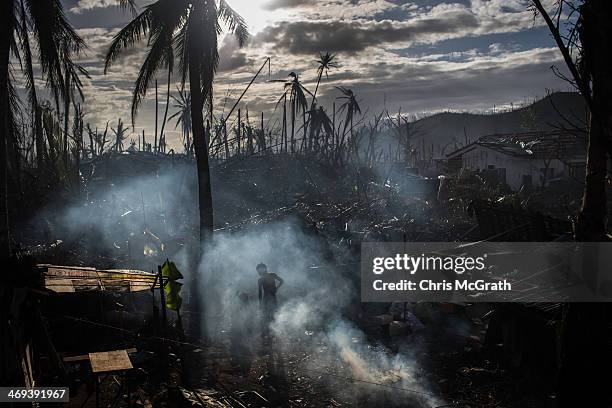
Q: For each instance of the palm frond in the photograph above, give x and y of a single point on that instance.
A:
(27, 61)
(156, 58)
(129, 5)
(180, 42)
(202, 41)
(325, 63)
(234, 22)
(52, 33)
(160, 24)
(14, 108)
(129, 35)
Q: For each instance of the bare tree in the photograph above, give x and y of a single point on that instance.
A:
(585, 48)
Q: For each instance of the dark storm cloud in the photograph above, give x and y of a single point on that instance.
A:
(430, 86)
(280, 4)
(231, 57)
(307, 37)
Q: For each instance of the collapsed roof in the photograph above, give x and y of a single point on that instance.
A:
(557, 144)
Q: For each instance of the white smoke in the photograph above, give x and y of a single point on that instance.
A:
(313, 303)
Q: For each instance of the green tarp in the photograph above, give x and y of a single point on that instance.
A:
(172, 289)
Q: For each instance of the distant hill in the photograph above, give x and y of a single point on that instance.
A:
(444, 131)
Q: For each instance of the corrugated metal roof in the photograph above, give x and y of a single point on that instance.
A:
(546, 145)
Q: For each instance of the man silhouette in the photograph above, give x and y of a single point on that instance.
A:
(267, 287)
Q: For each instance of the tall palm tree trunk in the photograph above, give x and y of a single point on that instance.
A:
(161, 133)
(293, 127)
(6, 31)
(225, 140)
(205, 206)
(156, 115)
(333, 135)
(66, 115)
(262, 145)
(284, 132)
(92, 147)
(314, 97)
(36, 111)
(201, 152)
(305, 136)
(353, 142)
(238, 135)
(39, 138)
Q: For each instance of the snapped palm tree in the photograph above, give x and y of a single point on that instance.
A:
(351, 106)
(97, 140)
(44, 24)
(183, 115)
(121, 133)
(297, 101)
(185, 30)
(325, 62)
(73, 88)
(318, 122)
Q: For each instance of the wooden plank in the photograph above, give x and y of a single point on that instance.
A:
(108, 361)
(59, 285)
(84, 357)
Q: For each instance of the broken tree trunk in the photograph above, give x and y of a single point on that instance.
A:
(586, 326)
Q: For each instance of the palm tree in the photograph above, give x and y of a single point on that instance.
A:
(52, 131)
(100, 139)
(297, 101)
(77, 137)
(318, 122)
(72, 88)
(120, 135)
(162, 135)
(326, 62)
(188, 31)
(44, 23)
(351, 106)
(183, 104)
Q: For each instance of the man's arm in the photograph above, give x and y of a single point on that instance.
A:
(260, 288)
(280, 280)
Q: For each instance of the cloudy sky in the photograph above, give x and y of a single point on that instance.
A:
(423, 56)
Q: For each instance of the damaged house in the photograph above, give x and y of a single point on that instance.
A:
(532, 159)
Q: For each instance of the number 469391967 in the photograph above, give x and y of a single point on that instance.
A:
(41, 394)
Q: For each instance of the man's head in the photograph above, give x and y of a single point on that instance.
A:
(261, 268)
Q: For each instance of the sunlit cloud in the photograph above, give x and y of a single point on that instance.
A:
(422, 55)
